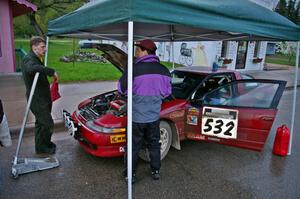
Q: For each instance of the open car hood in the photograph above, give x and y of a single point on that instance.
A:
(114, 55)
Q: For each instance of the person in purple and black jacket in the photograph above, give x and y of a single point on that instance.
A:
(151, 84)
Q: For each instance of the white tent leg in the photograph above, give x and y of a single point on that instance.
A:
(129, 108)
(173, 59)
(294, 100)
(46, 55)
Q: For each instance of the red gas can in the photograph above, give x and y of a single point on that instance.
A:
(281, 142)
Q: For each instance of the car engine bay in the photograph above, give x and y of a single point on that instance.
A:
(111, 102)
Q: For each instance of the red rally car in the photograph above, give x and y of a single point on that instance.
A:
(224, 107)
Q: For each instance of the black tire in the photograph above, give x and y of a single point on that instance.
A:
(165, 140)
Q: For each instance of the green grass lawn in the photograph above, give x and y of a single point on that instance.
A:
(281, 59)
(77, 71)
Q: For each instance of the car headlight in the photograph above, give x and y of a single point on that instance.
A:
(101, 129)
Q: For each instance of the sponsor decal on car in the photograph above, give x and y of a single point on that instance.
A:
(193, 111)
(219, 122)
(121, 149)
(117, 138)
(199, 137)
(213, 139)
(177, 114)
(192, 120)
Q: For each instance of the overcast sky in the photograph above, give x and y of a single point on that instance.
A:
(271, 4)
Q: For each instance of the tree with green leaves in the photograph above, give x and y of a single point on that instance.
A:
(47, 10)
(281, 7)
(289, 9)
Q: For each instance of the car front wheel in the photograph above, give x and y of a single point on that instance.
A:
(165, 142)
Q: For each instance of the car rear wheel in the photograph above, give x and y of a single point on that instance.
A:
(165, 141)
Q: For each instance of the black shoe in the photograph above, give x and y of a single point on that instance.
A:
(46, 151)
(155, 175)
(52, 145)
(133, 179)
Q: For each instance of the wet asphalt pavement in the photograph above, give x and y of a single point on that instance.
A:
(199, 170)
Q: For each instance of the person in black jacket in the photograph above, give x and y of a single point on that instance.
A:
(5, 139)
(1, 112)
(151, 84)
(41, 102)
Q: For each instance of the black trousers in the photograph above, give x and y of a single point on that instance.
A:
(148, 133)
(43, 124)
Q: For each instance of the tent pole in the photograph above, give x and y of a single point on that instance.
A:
(173, 60)
(172, 40)
(294, 99)
(74, 52)
(46, 55)
(129, 109)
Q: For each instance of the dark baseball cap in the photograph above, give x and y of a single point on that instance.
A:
(147, 44)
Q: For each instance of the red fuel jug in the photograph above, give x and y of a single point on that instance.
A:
(281, 142)
(54, 90)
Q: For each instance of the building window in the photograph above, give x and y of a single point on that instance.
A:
(224, 48)
(241, 55)
(256, 49)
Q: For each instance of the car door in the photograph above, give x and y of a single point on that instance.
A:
(193, 110)
(240, 113)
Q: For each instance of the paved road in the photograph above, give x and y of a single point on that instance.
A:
(199, 170)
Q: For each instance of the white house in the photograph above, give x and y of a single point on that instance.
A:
(8, 10)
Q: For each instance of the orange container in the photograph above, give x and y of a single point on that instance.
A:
(281, 142)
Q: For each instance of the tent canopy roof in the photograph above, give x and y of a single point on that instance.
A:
(176, 20)
(20, 7)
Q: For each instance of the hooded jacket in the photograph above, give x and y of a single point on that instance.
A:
(151, 84)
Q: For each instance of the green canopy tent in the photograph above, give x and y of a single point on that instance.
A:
(176, 20)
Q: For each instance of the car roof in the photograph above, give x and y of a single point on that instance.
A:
(203, 70)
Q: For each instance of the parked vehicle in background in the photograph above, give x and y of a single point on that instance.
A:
(88, 43)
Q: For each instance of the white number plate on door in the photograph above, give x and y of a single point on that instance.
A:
(219, 122)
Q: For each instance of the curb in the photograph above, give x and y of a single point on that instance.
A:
(29, 129)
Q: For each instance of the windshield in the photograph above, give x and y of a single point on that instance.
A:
(183, 83)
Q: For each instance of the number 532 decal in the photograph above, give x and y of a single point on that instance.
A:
(219, 122)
